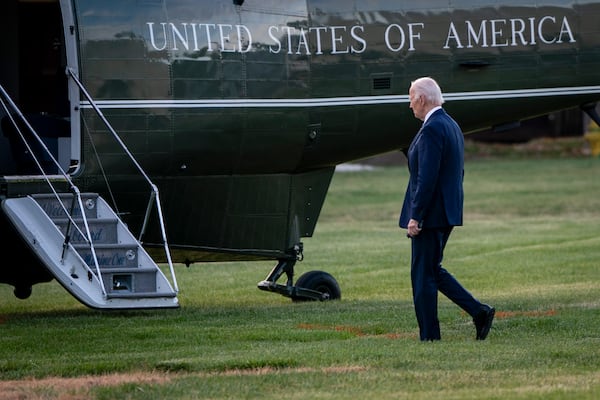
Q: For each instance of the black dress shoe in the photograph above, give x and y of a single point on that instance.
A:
(483, 322)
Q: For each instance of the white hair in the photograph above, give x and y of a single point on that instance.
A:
(429, 89)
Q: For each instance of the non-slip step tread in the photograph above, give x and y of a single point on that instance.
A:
(61, 195)
(32, 178)
(134, 295)
(63, 220)
(124, 270)
(106, 246)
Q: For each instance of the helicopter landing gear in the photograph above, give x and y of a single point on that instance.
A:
(311, 286)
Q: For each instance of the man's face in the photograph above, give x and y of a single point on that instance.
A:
(417, 104)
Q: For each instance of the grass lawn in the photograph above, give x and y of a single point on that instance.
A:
(530, 247)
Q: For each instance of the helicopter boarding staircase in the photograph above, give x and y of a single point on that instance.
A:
(81, 240)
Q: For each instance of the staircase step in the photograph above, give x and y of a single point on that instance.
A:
(110, 256)
(24, 185)
(51, 205)
(130, 280)
(103, 231)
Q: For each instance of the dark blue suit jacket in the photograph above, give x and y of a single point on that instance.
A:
(434, 195)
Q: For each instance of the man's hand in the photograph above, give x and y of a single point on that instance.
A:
(413, 228)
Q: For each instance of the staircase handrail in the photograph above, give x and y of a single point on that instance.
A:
(154, 195)
(69, 213)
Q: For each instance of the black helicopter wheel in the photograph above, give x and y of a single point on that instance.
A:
(22, 292)
(318, 281)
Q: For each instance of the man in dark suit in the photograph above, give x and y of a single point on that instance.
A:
(432, 206)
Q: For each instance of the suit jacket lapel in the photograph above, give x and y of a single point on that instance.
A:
(419, 134)
(415, 140)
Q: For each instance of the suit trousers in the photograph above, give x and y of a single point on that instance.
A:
(428, 276)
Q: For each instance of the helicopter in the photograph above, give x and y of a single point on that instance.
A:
(139, 133)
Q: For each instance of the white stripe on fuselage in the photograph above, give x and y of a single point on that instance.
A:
(338, 101)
